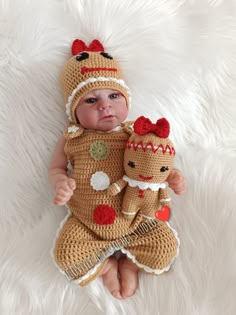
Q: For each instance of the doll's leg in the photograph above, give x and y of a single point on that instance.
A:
(155, 247)
(79, 253)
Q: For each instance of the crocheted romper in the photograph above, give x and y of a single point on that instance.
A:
(95, 227)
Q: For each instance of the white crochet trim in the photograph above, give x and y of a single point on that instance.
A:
(92, 80)
(89, 273)
(145, 216)
(62, 223)
(164, 200)
(117, 187)
(145, 185)
(129, 213)
(100, 181)
(73, 129)
(148, 269)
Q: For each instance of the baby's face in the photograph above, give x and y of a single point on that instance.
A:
(102, 109)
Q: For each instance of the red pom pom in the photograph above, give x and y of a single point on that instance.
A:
(142, 125)
(104, 215)
(162, 128)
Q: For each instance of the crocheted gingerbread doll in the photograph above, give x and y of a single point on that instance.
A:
(148, 160)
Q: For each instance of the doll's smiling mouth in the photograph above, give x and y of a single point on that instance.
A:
(145, 178)
(86, 69)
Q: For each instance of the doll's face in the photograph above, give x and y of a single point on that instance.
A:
(102, 109)
(143, 164)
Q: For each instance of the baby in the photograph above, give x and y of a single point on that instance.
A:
(97, 103)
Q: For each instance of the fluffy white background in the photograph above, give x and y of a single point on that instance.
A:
(179, 58)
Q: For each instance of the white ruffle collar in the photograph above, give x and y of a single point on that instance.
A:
(145, 185)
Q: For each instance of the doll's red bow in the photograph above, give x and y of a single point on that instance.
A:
(143, 125)
(78, 46)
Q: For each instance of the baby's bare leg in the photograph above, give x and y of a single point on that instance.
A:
(128, 277)
(110, 277)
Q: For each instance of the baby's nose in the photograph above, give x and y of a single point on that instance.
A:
(103, 104)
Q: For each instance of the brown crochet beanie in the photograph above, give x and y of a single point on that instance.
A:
(90, 68)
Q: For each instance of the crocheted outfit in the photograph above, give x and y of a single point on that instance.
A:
(95, 227)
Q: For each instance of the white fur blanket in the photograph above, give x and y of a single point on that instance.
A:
(179, 59)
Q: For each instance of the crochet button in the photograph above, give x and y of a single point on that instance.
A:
(99, 150)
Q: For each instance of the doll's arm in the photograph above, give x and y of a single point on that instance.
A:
(177, 181)
(165, 199)
(62, 184)
(116, 187)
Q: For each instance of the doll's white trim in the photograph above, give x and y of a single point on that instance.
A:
(148, 269)
(144, 185)
(93, 80)
(129, 213)
(165, 200)
(146, 216)
(117, 187)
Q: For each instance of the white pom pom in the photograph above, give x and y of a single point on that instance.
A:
(100, 181)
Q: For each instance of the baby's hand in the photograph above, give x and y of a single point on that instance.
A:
(64, 190)
(177, 182)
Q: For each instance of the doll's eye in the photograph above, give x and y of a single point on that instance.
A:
(164, 168)
(82, 56)
(131, 164)
(106, 55)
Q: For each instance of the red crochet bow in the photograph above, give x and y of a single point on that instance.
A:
(78, 46)
(143, 125)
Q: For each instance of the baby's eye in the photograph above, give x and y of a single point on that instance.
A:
(164, 168)
(106, 55)
(82, 56)
(113, 96)
(90, 100)
(131, 164)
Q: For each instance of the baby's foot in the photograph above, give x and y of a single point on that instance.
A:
(110, 277)
(129, 277)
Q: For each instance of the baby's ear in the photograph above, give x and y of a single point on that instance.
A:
(73, 131)
(128, 127)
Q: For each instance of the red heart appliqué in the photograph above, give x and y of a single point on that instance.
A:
(163, 214)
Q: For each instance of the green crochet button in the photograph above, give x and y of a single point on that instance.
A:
(99, 150)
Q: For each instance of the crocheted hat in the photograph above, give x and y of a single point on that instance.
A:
(90, 68)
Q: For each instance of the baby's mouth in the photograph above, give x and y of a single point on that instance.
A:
(145, 178)
(107, 117)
